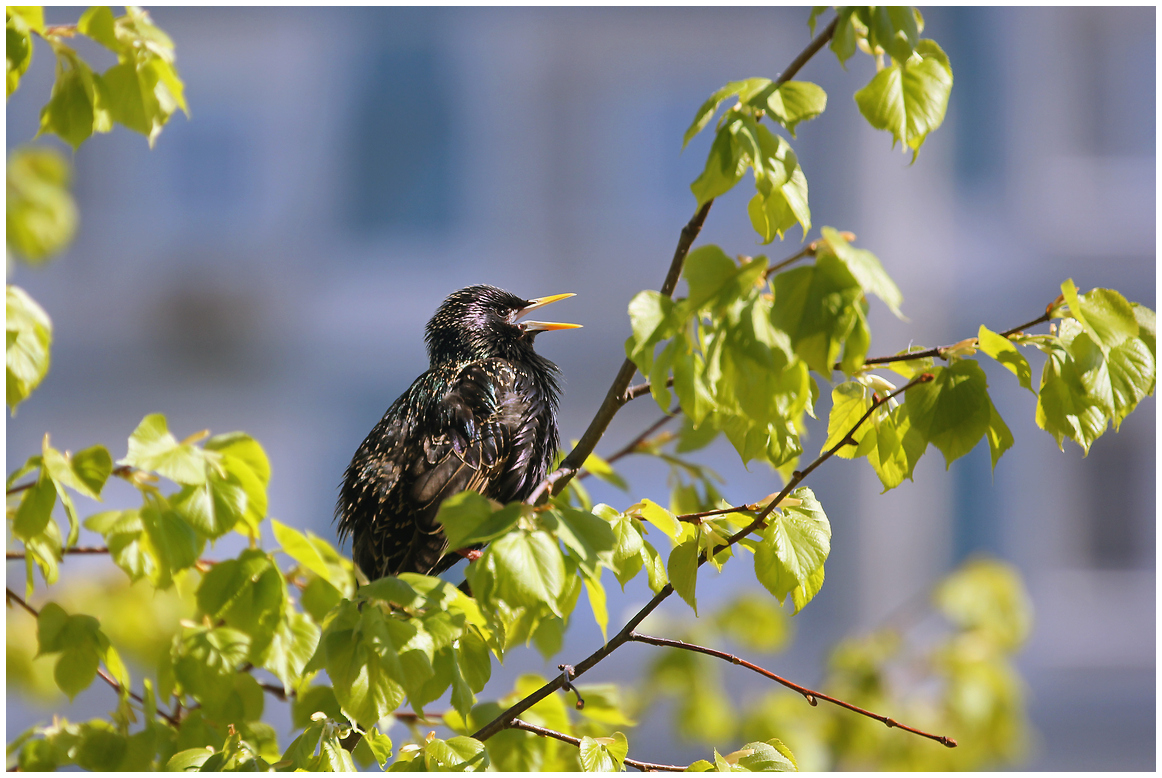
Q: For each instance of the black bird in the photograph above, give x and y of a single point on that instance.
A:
(483, 417)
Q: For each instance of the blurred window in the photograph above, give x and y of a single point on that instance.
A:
(402, 156)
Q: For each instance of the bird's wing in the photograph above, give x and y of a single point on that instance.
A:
(468, 437)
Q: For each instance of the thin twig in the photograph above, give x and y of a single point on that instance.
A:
(634, 444)
(500, 722)
(809, 694)
(807, 251)
(637, 390)
(573, 741)
(113, 682)
(121, 471)
(70, 550)
(940, 351)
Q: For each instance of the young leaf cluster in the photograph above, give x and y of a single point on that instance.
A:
(140, 92)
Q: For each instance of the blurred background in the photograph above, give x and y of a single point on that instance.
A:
(270, 266)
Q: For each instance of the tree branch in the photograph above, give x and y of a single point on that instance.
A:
(809, 694)
(70, 550)
(939, 351)
(573, 741)
(614, 398)
(501, 721)
(633, 445)
(12, 596)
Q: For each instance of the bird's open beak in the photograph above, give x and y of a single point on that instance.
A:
(543, 326)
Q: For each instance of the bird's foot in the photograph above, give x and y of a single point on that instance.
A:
(471, 554)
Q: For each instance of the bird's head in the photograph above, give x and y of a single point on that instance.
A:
(484, 321)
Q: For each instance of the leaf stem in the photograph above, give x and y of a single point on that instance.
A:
(12, 596)
(810, 695)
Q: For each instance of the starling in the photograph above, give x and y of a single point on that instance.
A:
(483, 417)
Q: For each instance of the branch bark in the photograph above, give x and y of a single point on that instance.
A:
(809, 694)
(939, 351)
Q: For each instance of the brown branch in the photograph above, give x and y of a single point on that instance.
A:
(807, 251)
(573, 741)
(810, 695)
(121, 471)
(634, 444)
(12, 596)
(939, 351)
(70, 550)
(637, 390)
(501, 721)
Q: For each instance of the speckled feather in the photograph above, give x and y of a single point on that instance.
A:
(483, 417)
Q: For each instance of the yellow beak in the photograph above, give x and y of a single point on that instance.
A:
(543, 326)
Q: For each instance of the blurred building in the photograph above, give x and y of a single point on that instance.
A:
(271, 263)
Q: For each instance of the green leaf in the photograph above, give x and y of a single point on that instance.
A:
(459, 753)
(794, 102)
(771, 756)
(604, 754)
(661, 518)
(706, 112)
(20, 21)
(725, 165)
(895, 30)
(655, 567)
(865, 267)
(34, 512)
(589, 538)
(816, 306)
(170, 542)
(843, 41)
(380, 745)
(1076, 398)
(795, 544)
(247, 593)
(152, 447)
(97, 23)
(316, 555)
(28, 338)
(1106, 316)
(40, 213)
(953, 411)
(651, 316)
(781, 200)
(683, 571)
(468, 518)
(294, 642)
(596, 593)
(849, 402)
(909, 99)
(76, 109)
(213, 507)
(1000, 439)
(1002, 350)
(531, 569)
